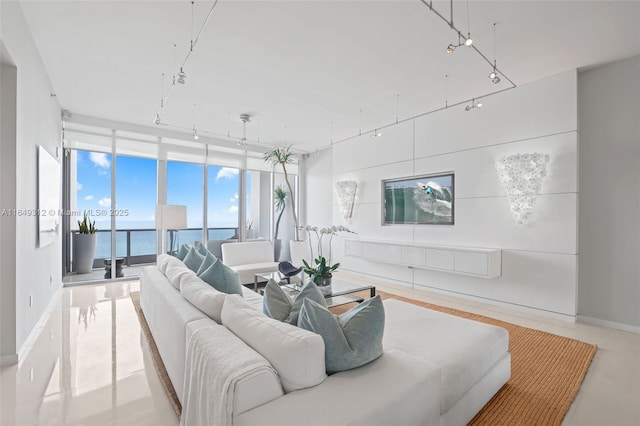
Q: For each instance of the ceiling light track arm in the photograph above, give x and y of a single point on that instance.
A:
(204, 24)
(463, 37)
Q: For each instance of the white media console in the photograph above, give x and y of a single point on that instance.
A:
(477, 262)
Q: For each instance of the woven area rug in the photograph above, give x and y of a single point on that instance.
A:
(546, 371)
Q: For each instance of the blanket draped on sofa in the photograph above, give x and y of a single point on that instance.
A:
(216, 361)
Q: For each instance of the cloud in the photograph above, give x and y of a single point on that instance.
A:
(99, 160)
(235, 196)
(233, 209)
(78, 186)
(227, 173)
(88, 197)
(104, 202)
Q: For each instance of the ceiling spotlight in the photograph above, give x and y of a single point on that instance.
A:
(376, 134)
(156, 120)
(494, 76)
(451, 48)
(181, 76)
(195, 133)
(468, 42)
(473, 105)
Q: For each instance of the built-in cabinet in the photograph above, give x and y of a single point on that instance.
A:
(478, 262)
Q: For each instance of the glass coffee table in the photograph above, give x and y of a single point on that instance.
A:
(342, 291)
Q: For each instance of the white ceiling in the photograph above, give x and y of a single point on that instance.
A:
(298, 66)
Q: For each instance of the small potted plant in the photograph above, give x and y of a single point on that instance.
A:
(321, 271)
(84, 245)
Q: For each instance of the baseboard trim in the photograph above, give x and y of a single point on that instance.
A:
(609, 324)
(37, 328)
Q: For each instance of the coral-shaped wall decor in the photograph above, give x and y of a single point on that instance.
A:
(521, 175)
(346, 190)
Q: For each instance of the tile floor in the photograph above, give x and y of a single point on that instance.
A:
(90, 366)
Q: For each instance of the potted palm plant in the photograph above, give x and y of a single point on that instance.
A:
(283, 156)
(280, 202)
(84, 245)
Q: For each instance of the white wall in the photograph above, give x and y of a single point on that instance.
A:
(37, 270)
(609, 125)
(317, 206)
(539, 263)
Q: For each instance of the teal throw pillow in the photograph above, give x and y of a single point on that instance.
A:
(208, 260)
(193, 259)
(351, 339)
(182, 252)
(278, 305)
(222, 278)
(202, 250)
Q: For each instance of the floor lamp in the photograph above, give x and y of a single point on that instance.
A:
(170, 218)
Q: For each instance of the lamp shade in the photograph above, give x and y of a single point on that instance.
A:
(170, 216)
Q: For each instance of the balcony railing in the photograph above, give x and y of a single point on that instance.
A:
(138, 246)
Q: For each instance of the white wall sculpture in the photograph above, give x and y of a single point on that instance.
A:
(346, 190)
(521, 175)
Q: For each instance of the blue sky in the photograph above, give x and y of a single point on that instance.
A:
(136, 190)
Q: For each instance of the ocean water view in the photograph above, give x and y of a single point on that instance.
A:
(143, 241)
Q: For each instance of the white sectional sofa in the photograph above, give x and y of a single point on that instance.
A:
(249, 258)
(437, 369)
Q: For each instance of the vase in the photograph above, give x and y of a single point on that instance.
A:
(84, 250)
(325, 286)
(277, 249)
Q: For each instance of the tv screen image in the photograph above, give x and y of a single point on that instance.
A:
(426, 199)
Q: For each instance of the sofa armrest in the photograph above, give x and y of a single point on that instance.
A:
(397, 388)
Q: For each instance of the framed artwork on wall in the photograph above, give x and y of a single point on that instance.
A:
(419, 200)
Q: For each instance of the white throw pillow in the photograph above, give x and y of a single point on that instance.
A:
(164, 260)
(203, 296)
(297, 354)
(175, 272)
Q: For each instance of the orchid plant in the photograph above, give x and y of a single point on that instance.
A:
(322, 270)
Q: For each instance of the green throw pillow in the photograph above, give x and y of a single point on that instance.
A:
(193, 259)
(182, 252)
(222, 278)
(351, 339)
(208, 260)
(278, 305)
(202, 250)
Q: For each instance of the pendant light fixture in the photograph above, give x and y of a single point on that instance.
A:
(195, 132)
(473, 105)
(495, 78)
(244, 118)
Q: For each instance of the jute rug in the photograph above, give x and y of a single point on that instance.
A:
(546, 371)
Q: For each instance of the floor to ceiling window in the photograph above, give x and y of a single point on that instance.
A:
(91, 195)
(119, 177)
(136, 188)
(185, 187)
(223, 199)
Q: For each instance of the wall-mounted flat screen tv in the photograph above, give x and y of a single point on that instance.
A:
(419, 200)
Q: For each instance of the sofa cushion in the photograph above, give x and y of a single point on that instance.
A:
(278, 305)
(252, 298)
(193, 259)
(465, 352)
(176, 271)
(247, 252)
(351, 339)
(208, 260)
(297, 354)
(222, 278)
(203, 296)
(182, 252)
(202, 249)
(164, 260)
